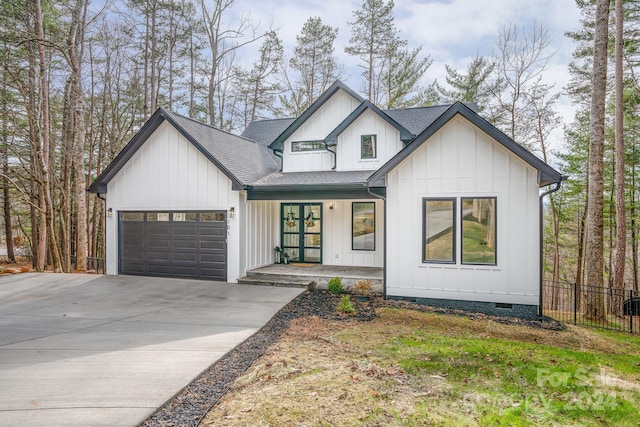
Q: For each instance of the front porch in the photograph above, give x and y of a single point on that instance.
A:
(313, 275)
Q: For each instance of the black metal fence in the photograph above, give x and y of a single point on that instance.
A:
(608, 308)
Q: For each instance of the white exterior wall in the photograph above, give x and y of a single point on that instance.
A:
(337, 235)
(262, 233)
(348, 146)
(317, 127)
(169, 173)
(462, 161)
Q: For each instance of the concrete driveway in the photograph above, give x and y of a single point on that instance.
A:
(87, 350)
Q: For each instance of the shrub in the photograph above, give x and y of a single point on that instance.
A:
(362, 287)
(335, 285)
(345, 305)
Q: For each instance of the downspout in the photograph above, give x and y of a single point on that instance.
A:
(275, 153)
(556, 187)
(384, 246)
(334, 156)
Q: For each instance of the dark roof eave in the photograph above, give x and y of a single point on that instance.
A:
(100, 184)
(309, 191)
(277, 143)
(332, 138)
(547, 175)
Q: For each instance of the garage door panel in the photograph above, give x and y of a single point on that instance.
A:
(213, 231)
(190, 230)
(185, 257)
(159, 269)
(131, 267)
(154, 242)
(214, 257)
(132, 254)
(177, 248)
(182, 245)
(161, 229)
(153, 256)
(208, 246)
(185, 271)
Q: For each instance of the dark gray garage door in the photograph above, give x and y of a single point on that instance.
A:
(174, 244)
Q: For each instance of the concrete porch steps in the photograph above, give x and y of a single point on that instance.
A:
(288, 281)
(311, 277)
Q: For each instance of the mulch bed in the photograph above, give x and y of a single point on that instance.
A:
(192, 403)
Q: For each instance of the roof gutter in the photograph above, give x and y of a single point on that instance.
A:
(555, 188)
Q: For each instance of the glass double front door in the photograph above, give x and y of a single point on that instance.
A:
(301, 225)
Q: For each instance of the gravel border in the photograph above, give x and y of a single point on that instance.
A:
(191, 404)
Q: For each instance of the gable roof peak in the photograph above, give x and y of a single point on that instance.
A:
(241, 159)
(331, 139)
(277, 144)
(546, 174)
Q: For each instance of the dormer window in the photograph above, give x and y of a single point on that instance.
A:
(368, 147)
(297, 146)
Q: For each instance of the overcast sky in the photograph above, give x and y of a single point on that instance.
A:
(451, 31)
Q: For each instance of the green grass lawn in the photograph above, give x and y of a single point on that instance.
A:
(411, 368)
(492, 379)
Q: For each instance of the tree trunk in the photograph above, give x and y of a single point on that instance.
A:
(6, 195)
(81, 191)
(621, 218)
(595, 309)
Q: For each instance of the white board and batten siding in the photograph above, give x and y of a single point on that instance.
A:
(349, 143)
(169, 173)
(260, 232)
(337, 243)
(316, 128)
(462, 161)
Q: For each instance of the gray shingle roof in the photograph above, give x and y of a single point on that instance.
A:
(415, 120)
(245, 159)
(314, 178)
(265, 131)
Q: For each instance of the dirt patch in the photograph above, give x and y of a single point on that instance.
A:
(8, 268)
(315, 380)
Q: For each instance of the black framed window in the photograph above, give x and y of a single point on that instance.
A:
(368, 147)
(439, 230)
(363, 226)
(297, 146)
(478, 230)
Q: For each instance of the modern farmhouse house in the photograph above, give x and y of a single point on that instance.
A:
(443, 201)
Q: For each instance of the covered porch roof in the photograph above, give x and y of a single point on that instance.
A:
(316, 185)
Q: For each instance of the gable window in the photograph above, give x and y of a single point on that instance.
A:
(297, 146)
(368, 147)
(478, 230)
(439, 230)
(363, 226)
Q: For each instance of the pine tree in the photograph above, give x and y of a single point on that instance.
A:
(473, 85)
(373, 34)
(313, 59)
